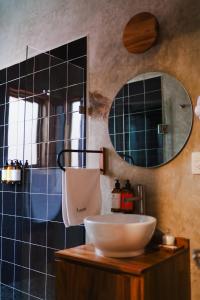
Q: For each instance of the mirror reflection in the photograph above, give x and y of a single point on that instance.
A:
(150, 119)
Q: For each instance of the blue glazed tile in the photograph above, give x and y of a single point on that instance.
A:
(50, 261)
(9, 203)
(21, 279)
(8, 227)
(6, 293)
(27, 67)
(26, 87)
(42, 61)
(137, 140)
(22, 229)
(139, 158)
(77, 48)
(153, 100)
(55, 208)
(13, 72)
(9, 187)
(152, 84)
(137, 122)
(75, 74)
(38, 232)
(20, 295)
(37, 284)
(39, 155)
(153, 139)
(136, 104)
(54, 181)
(39, 131)
(23, 204)
(58, 76)
(75, 236)
(119, 125)
(40, 106)
(153, 118)
(39, 181)
(41, 82)
(75, 97)
(12, 91)
(119, 107)
(38, 258)
(22, 254)
(1, 157)
(57, 127)
(7, 273)
(58, 101)
(54, 150)
(3, 76)
(8, 250)
(119, 142)
(2, 113)
(57, 240)
(136, 88)
(38, 206)
(58, 55)
(111, 124)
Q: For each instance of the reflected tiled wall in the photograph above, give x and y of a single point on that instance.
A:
(133, 122)
(39, 116)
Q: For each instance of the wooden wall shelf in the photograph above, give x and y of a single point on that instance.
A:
(140, 33)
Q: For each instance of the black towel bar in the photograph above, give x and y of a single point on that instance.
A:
(101, 160)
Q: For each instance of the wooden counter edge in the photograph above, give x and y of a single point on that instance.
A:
(85, 254)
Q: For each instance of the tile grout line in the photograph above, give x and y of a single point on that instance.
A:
(47, 182)
(2, 194)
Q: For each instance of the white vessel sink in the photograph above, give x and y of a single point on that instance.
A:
(120, 235)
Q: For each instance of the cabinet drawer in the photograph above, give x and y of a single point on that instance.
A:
(80, 282)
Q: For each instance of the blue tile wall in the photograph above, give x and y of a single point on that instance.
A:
(133, 120)
(39, 102)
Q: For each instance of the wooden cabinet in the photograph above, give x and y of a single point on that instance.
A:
(156, 275)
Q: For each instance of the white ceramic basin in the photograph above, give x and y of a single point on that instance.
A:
(120, 235)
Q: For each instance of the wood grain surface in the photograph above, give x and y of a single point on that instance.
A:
(156, 275)
(140, 33)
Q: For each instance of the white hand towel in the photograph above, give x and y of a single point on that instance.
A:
(81, 195)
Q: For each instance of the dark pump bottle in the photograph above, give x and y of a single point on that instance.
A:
(127, 193)
(116, 197)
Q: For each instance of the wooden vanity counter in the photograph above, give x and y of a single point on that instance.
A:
(155, 275)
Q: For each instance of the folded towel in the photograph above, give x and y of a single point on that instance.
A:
(81, 195)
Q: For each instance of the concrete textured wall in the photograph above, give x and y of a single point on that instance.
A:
(173, 193)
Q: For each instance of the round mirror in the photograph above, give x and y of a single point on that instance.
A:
(150, 119)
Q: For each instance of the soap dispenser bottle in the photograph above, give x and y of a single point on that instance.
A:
(17, 172)
(126, 198)
(9, 176)
(116, 197)
(4, 173)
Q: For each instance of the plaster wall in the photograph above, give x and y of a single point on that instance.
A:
(172, 191)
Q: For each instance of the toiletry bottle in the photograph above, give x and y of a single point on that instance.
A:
(116, 197)
(168, 239)
(4, 173)
(26, 164)
(16, 178)
(127, 193)
(9, 174)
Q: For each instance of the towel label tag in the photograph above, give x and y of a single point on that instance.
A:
(81, 209)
